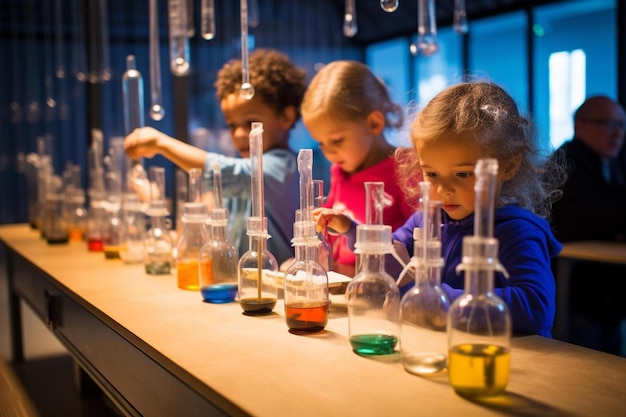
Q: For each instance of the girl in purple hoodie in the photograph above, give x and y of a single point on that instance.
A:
(459, 126)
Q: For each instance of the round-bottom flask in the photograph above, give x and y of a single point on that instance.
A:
(479, 326)
(372, 296)
(258, 271)
(306, 283)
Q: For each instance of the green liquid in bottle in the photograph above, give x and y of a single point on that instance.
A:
(373, 344)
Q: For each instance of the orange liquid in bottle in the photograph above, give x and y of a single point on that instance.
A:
(187, 274)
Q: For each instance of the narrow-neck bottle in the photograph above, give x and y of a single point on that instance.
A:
(158, 259)
(193, 238)
(372, 296)
(218, 262)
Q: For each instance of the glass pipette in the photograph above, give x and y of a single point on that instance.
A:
(207, 19)
(156, 97)
(217, 186)
(247, 89)
(350, 27)
(195, 185)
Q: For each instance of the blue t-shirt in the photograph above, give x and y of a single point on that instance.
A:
(281, 193)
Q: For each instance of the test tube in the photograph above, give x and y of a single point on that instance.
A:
(256, 168)
(426, 29)
(253, 13)
(484, 189)
(349, 19)
(247, 89)
(459, 24)
(389, 5)
(217, 186)
(132, 92)
(207, 19)
(191, 30)
(156, 97)
(179, 43)
(305, 167)
(195, 185)
(375, 202)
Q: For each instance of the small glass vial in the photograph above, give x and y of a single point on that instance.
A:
(76, 213)
(132, 229)
(158, 245)
(323, 251)
(218, 262)
(424, 308)
(257, 271)
(306, 281)
(96, 219)
(55, 222)
(194, 237)
(372, 296)
(111, 230)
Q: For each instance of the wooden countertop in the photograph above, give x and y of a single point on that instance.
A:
(263, 370)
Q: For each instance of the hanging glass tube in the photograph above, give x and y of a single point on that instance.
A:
(389, 5)
(207, 19)
(79, 67)
(247, 89)
(132, 93)
(191, 29)
(253, 13)
(156, 96)
(349, 19)
(459, 24)
(195, 185)
(426, 29)
(104, 67)
(179, 43)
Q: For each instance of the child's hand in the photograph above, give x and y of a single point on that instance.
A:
(142, 142)
(332, 219)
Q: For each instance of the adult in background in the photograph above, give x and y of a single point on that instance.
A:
(593, 207)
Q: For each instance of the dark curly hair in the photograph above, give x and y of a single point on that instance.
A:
(276, 80)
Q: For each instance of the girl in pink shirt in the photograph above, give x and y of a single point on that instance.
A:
(347, 109)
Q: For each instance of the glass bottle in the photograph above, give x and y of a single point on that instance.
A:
(76, 213)
(96, 219)
(372, 296)
(424, 308)
(158, 258)
(257, 271)
(218, 262)
(193, 238)
(55, 222)
(257, 268)
(306, 281)
(111, 230)
(132, 229)
(479, 322)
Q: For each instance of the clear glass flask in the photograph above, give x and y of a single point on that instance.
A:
(219, 257)
(372, 296)
(479, 322)
(132, 229)
(424, 308)
(257, 268)
(305, 282)
(191, 241)
(55, 222)
(158, 258)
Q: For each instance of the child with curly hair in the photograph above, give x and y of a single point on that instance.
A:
(462, 124)
(279, 87)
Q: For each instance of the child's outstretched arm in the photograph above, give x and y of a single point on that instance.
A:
(147, 142)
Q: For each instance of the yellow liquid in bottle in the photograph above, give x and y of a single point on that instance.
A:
(477, 370)
(187, 274)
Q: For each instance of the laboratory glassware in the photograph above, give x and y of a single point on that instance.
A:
(257, 268)
(158, 258)
(389, 5)
(459, 20)
(219, 257)
(132, 229)
(179, 42)
(426, 29)
(372, 297)
(156, 95)
(207, 19)
(247, 89)
(424, 308)
(305, 280)
(479, 322)
(192, 240)
(350, 27)
(55, 222)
